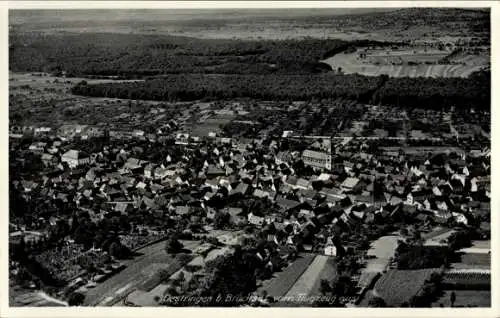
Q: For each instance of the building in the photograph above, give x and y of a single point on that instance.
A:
(331, 250)
(38, 147)
(42, 131)
(75, 158)
(351, 184)
(317, 159)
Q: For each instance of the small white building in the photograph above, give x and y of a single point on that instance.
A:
(330, 250)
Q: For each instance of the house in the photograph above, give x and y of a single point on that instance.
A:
(283, 157)
(42, 131)
(352, 184)
(255, 220)
(155, 188)
(49, 160)
(419, 196)
(182, 210)
(75, 158)
(211, 213)
(133, 164)
(236, 216)
(123, 207)
(261, 194)
(317, 159)
(287, 205)
(240, 190)
(182, 139)
(149, 171)
(303, 183)
(163, 173)
(213, 172)
(330, 250)
(38, 147)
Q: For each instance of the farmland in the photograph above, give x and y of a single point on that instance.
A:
(46, 100)
(473, 260)
(398, 286)
(322, 267)
(279, 285)
(399, 65)
(467, 280)
(385, 23)
(136, 273)
(465, 298)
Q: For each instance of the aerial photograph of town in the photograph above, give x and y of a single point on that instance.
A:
(321, 157)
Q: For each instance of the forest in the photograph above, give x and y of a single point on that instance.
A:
(139, 56)
(189, 87)
(429, 93)
(180, 68)
(437, 92)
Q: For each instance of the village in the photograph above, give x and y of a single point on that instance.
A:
(115, 217)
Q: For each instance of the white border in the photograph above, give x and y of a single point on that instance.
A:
(6, 311)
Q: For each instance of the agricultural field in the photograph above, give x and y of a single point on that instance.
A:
(398, 286)
(468, 279)
(376, 65)
(281, 283)
(385, 23)
(473, 260)
(140, 272)
(465, 298)
(322, 267)
(47, 100)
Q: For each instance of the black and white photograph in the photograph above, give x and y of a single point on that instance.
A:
(321, 157)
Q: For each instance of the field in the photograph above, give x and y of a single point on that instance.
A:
(468, 280)
(135, 274)
(385, 24)
(465, 298)
(351, 64)
(322, 267)
(435, 232)
(398, 286)
(47, 100)
(383, 249)
(173, 266)
(281, 283)
(402, 56)
(474, 260)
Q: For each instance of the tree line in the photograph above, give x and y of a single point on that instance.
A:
(190, 87)
(430, 93)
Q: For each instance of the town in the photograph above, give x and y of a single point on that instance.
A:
(252, 203)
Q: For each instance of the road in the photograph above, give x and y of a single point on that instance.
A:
(135, 272)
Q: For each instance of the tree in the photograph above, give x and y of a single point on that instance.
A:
(459, 240)
(453, 298)
(173, 246)
(114, 250)
(76, 299)
(377, 302)
(325, 287)
(221, 219)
